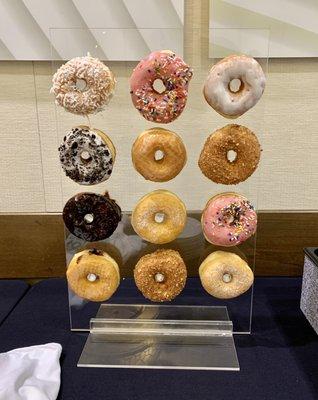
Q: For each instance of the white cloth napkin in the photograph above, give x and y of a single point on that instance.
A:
(31, 373)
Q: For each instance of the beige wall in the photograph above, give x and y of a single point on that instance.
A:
(285, 120)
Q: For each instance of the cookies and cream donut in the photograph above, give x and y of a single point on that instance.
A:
(159, 217)
(87, 155)
(215, 162)
(161, 275)
(158, 154)
(175, 75)
(225, 275)
(93, 275)
(228, 219)
(220, 91)
(84, 85)
(91, 216)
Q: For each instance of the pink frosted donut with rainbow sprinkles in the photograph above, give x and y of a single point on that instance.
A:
(228, 219)
(175, 75)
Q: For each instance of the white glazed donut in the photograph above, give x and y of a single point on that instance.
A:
(84, 85)
(87, 155)
(217, 88)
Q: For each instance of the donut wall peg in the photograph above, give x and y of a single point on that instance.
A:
(84, 86)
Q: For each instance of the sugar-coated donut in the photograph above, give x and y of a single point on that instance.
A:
(174, 73)
(158, 154)
(91, 216)
(93, 275)
(87, 155)
(225, 275)
(214, 159)
(159, 217)
(217, 88)
(84, 85)
(161, 275)
(228, 219)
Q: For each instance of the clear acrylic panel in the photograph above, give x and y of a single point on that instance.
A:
(123, 124)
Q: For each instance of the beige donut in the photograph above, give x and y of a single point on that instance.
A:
(218, 90)
(93, 275)
(96, 78)
(158, 154)
(159, 217)
(225, 275)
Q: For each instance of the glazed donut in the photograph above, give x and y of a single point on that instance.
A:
(218, 92)
(214, 159)
(161, 276)
(91, 216)
(158, 154)
(84, 85)
(93, 275)
(159, 217)
(174, 73)
(228, 219)
(225, 275)
(87, 155)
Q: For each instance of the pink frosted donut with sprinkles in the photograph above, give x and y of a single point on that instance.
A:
(228, 219)
(175, 75)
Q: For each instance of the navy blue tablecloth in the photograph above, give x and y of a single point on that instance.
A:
(11, 291)
(278, 361)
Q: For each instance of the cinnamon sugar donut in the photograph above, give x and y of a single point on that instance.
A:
(84, 85)
(218, 89)
(158, 154)
(214, 159)
(159, 217)
(175, 75)
(93, 275)
(225, 275)
(161, 275)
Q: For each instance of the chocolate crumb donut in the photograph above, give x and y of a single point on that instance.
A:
(161, 275)
(215, 162)
(87, 155)
(91, 216)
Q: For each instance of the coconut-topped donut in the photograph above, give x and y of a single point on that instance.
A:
(175, 75)
(84, 85)
(87, 155)
(234, 85)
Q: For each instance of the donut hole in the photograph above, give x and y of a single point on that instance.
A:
(231, 155)
(227, 277)
(81, 85)
(158, 86)
(92, 277)
(159, 155)
(159, 217)
(89, 218)
(85, 156)
(235, 85)
(159, 277)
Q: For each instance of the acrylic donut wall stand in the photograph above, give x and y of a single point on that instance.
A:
(194, 330)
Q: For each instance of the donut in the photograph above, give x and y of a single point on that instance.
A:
(160, 276)
(159, 217)
(91, 216)
(87, 155)
(84, 85)
(158, 154)
(225, 275)
(214, 159)
(175, 75)
(223, 97)
(93, 275)
(228, 219)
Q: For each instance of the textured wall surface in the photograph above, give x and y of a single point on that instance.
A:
(285, 120)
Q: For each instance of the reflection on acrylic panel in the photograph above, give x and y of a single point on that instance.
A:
(133, 28)
(292, 25)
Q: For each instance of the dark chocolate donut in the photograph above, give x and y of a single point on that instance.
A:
(91, 216)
